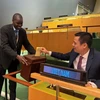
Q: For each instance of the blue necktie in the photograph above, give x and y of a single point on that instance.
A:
(16, 35)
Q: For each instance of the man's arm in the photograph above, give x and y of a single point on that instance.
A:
(61, 56)
(57, 55)
(97, 83)
(4, 44)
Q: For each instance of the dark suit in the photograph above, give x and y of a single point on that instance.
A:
(8, 52)
(92, 66)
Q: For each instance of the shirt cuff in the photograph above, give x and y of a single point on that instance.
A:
(93, 84)
(50, 52)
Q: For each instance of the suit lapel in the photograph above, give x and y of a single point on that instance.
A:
(72, 59)
(90, 59)
(13, 36)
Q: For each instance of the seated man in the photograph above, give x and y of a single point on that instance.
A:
(82, 57)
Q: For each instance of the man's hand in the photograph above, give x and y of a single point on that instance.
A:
(44, 50)
(22, 60)
(91, 84)
(88, 85)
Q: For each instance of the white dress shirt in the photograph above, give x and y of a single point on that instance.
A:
(84, 61)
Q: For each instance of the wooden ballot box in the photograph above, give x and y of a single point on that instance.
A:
(34, 66)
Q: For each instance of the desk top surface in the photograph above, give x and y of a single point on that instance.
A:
(87, 90)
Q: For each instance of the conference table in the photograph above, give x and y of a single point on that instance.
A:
(85, 90)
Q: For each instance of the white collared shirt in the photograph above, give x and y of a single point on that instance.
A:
(84, 61)
(15, 30)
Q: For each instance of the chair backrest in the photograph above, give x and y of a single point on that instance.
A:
(96, 43)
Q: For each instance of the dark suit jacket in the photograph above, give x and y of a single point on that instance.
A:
(8, 47)
(92, 66)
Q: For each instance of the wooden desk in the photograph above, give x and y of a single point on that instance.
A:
(10, 77)
(87, 90)
(64, 25)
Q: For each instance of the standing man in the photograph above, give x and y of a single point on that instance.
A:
(82, 57)
(12, 37)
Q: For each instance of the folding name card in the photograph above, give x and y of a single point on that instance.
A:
(64, 73)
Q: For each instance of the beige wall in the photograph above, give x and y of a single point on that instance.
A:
(97, 7)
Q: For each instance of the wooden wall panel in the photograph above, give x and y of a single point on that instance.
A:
(30, 38)
(60, 42)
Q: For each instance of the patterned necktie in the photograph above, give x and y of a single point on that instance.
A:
(16, 35)
(79, 65)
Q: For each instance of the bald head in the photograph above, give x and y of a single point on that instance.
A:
(17, 20)
(17, 16)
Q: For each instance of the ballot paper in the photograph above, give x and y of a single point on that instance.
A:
(38, 51)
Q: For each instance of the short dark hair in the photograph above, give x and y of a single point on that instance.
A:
(16, 15)
(85, 37)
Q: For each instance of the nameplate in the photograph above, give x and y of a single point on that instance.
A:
(64, 73)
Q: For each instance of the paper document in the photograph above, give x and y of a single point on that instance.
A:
(38, 51)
